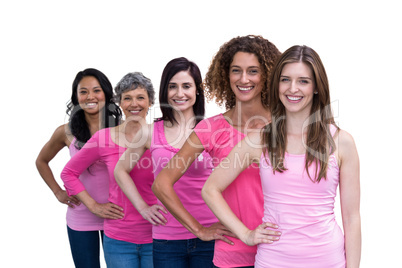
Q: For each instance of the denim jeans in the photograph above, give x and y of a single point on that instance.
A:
(85, 247)
(122, 254)
(189, 253)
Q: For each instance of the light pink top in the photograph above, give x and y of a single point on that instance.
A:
(96, 180)
(133, 227)
(304, 212)
(188, 188)
(244, 195)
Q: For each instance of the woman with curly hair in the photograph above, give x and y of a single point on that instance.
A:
(303, 157)
(91, 108)
(238, 78)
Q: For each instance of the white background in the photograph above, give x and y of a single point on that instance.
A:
(45, 43)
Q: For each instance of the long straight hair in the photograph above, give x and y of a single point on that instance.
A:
(171, 69)
(110, 114)
(320, 143)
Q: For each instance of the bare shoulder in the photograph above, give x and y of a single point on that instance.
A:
(347, 150)
(62, 134)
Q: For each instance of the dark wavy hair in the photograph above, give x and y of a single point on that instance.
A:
(171, 69)
(217, 82)
(110, 114)
(320, 143)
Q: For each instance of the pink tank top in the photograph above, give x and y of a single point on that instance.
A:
(188, 188)
(243, 195)
(96, 182)
(304, 212)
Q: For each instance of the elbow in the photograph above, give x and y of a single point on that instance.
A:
(206, 192)
(156, 187)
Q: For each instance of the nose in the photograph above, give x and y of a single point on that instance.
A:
(244, 78)
(180, 92)
(293, 87)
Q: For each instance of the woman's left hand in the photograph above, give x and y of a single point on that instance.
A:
(153, 214)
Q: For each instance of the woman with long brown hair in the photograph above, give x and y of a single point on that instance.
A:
(302, 156)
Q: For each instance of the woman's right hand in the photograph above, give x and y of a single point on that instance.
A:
(262, 234)
(63, 198)
(216, 231)
(107, 211)
(153, 214)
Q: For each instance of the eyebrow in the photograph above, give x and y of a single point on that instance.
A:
(301, 77)
(237, 66)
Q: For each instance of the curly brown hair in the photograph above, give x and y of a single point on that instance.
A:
(217, 83)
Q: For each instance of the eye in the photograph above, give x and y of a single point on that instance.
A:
(82, 92)
(98, 90)
(284, 79)
(253, 71)
(186, 86)
(235, 70)
(172, 86)
(141, 98)
(303, 81)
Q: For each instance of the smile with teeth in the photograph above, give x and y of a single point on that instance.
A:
(245, 88)
(294, 98)
(91, 104)
(135, 111)
(179, 101)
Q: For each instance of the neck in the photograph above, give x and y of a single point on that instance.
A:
(185, 118)
(249, 114)
(130, 126)
(296, 124)
(94, 122)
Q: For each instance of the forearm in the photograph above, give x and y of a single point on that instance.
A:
(166, 194)
(128, 187)
(352, 229)
(48, 177)
(218, 205)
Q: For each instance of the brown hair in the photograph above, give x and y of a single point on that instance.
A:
(217, 83)
(320, 143)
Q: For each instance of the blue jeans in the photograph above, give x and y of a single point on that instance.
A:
(85, 246)
(122, 254)
(188, 253)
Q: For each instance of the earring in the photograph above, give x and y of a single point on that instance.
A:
(316, 92)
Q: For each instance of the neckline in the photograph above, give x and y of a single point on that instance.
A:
(161, 133)
(227, 123)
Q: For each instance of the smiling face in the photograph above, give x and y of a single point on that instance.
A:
(296, 88)
(90, 95)
(245, 77)
(135, 103)
(182, 92)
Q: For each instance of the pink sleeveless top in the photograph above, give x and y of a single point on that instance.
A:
(304, 212)
(243, 195)
(132, 227)
(96, 181)
(188, 188)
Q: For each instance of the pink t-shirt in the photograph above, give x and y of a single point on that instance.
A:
(188, 188)
(304, 212)
(96, 181)
(133, 227)
(243, 195)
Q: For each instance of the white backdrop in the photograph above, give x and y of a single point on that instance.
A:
(45, 43)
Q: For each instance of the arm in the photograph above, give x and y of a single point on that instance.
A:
(349, 189)
(124, 166)
(49, 151)
(70, 176)
(247, 151)
(163, 189)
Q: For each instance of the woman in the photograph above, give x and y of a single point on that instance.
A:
(237, 77)
(182, 103)
(303, 156)
(127, 237)
(91, 93)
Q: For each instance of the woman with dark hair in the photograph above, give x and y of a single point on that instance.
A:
(303, 157)
(127, 235)
(238, 78)
(181, 98)
(92, 108)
